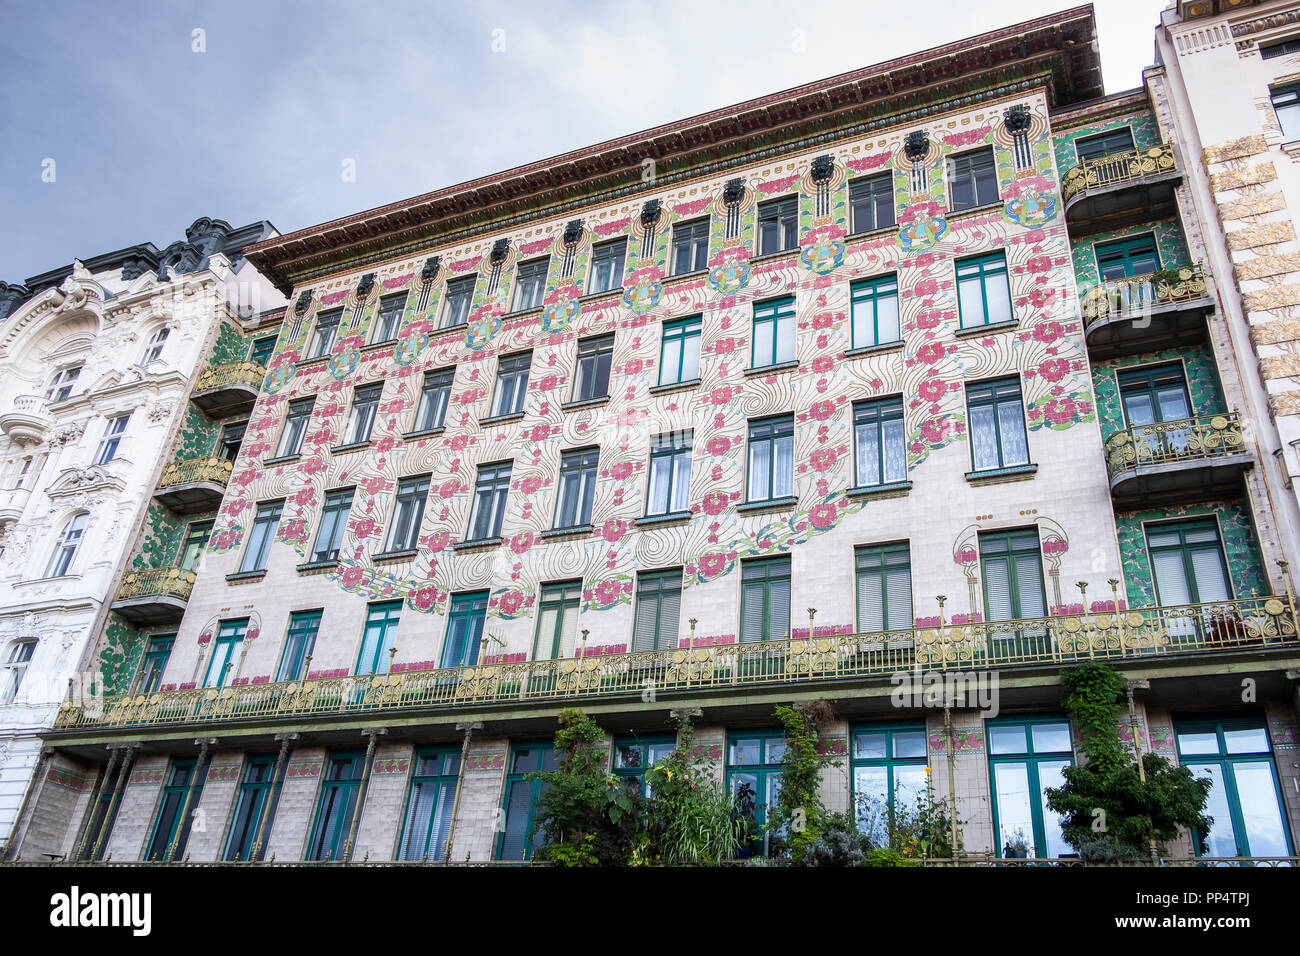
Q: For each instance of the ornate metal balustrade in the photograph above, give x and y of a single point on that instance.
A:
(1140, 634)
(157, 582)
(248, 374)
(1186, 439)
(191, 471)
(1117, 169)
(1138, 294)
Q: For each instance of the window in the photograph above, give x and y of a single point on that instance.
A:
(778, 225)
(196, 539)
(679, 356)
(1280, 49)
(299, 643)
(265, 522)
(1112, 143)
(389, 318)
(408, 513)
(1127, 258)
(670, 474)
(875, 312)
(879, 442)
(65, 551)
(455, 310)
(773, 333)
(153, 350)
(61, 385)
(765, 599)
(983, 293)
(431, 413)
(257, 799)
(1026, 758)
(658, 610)
(378, 638)
(1245, 802)
(489, 501)
(577, 488)
(337, 805)
(607, 265)
(100, 824)
(557, 621)
(518, 840)
(884, 579)
(327, 326)
(1188, 564)
(261, 351)
(170, 832)
(156, 655)
(333, 522)
(690, 246)
(1152, 396)
(972, 180)
(754, 779)
(20, 655)
(997, 425)
(871, 201)
(1286, 104)
(295, 426)
(112, 440)
(460, 648)
(889, 764)
(1012, 569)
(633, 756)
(365, 402)
(771, 458)
(592, 377)
(530, 285)
(229, 639)
(232, 436)
(512, 383)
(428, 804)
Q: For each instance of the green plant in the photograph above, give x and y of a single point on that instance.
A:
(883, 856)
(799, 817)
(916, 829)
(840, 844)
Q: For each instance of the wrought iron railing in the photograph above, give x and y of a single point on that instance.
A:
(192, 470)
(967, 861)
(1134, 295)
(1138, 634)
(1118, 168)
(157, 582)
(234, 373)
(1185, 439)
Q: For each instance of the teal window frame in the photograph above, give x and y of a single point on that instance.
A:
(256, 798)
(896, 736)
(333, 522)
(103, 816)
(977, 172)
(325, 333)
(296, 420)
(299, 644)
(512, 384)
(880, 420)
(435, 395)
(1105, 144)
(987, 269)
(1150, 382)
(378, 637)
(457, 301)
(867, 299)
(1034, 760)
(258, 548)
(657, 618)
(229, 637)
(1001, 396)
(878, 570)
(591, 374)
(1188, 550)
(336, 805)
(871, 203)
(361, 417)
(680, 350)
(770, 482)
(607, 263)
(232, 437)
(577, 488)
(195, 542)
(491, 490)
(690, 246)
(388, 317)
(631, 756)
(260, 353)
(167, 822)
(518, 789)
(763, 579)
(427, 824)
(530, 284)
(778, 225)
(154, 662)
(1133, 255)
(774, 328)
(1014, 544)
(408, 513)
(668, 484)
(464, 636)
(766, 771)
(562, 599)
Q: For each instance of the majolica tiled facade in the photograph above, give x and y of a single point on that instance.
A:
(817, 502)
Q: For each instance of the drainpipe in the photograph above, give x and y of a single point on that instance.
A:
(469, 727)
(10, 847)
(1130, 687)
(273, 797)
(123, 776)
(361, 795)
(204, 744)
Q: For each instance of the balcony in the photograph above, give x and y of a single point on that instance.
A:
(193, 485)
(1191, 459)
(225, 390)
(155, 596)
(1112, 191)
(1148, 635)
(27, 422)
(12, 503)
(1145, 312)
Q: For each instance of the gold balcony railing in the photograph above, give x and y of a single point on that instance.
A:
(1136, 294)
(1118, 168)
(1139, 634)
(157, 582)
(192, 470)
(234, 373)
(1186, 439)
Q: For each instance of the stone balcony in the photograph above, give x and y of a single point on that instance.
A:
(1168, 463)
(1146, 312)
(12, 503)
(193, 485)
(225, 390)
(155, 596)
(27, 422)
(1115, 190)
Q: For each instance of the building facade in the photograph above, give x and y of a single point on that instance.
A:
(916, 370)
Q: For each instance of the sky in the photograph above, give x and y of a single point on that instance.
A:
(123, 122)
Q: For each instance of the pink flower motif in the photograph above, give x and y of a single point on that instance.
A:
(425, 597)
(1048, 332)
(712, 564)
(530, 485)
(521, 542)
(547, 383)
(1054, 369)
(823, 364)
(613, 531)
(930, 353)
(438, 540)
(1039, 264)
(822, 516)
(607, 592)
(458, 443)
(511, 602)
(351, 577)
(932, 390)
(823, 459)
(718, 446)
(538, 434)
(205, 638)
(622, 470)
(634, 367)
(714, 503)
(721, 395)
(822, 410)
(385, 445)
(1059, 411)
(966, 556)
(926, 287)
(935, 430)
(724, 346)
(365, 528)
(449, 489)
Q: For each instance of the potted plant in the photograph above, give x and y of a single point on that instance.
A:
(1016, 846)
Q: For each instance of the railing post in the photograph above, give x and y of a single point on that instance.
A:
(273, 795)
(1290, 591)
(182, 821)
(113, 754)
(1119, 621)
(361, 794)
(808, 648)
(123, 776)
(469, 727)
(1087, 622)
(943, 636)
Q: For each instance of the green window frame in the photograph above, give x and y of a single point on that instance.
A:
(101, 822)
(633, 756)
(490, 492)
(512, 384)
(458, 298)
(426, 821)
(257, 799)
(196, 540)
(327, 328)
(972, 180)
(230, 636)
(154, 663)
(984, 291)
(1286, 104)
(1127, 258)
(774, 333)
(770, 459)
(1188, 565)
(1026, 757)
(260, 353)
(232, 437)
(690, 246)
(296, 420)
(388, 317)
(557, 621)
(378, 637)
(434, 397)
(517, 840)
(1110, 143)
(607, 260)
(679, 355)
(577, 488)
(888, 768)
(658, 610)
(873, 304)
(871, 203)
(1246, 804)
(591, 376)
(361, 418)
(299, 644)
(879, 442)
(765, 599)
(1155, 394)
(167, 824)
(1011, 568)
(778, 225)
(333, 522)
(754, 760)
(408, 513)
(258, 547)
(530, 284)
(336, 805)
(883, 576)
(998, 438)
(668, 485)
(464, 637)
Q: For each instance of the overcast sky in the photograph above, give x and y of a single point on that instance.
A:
(147, 134)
